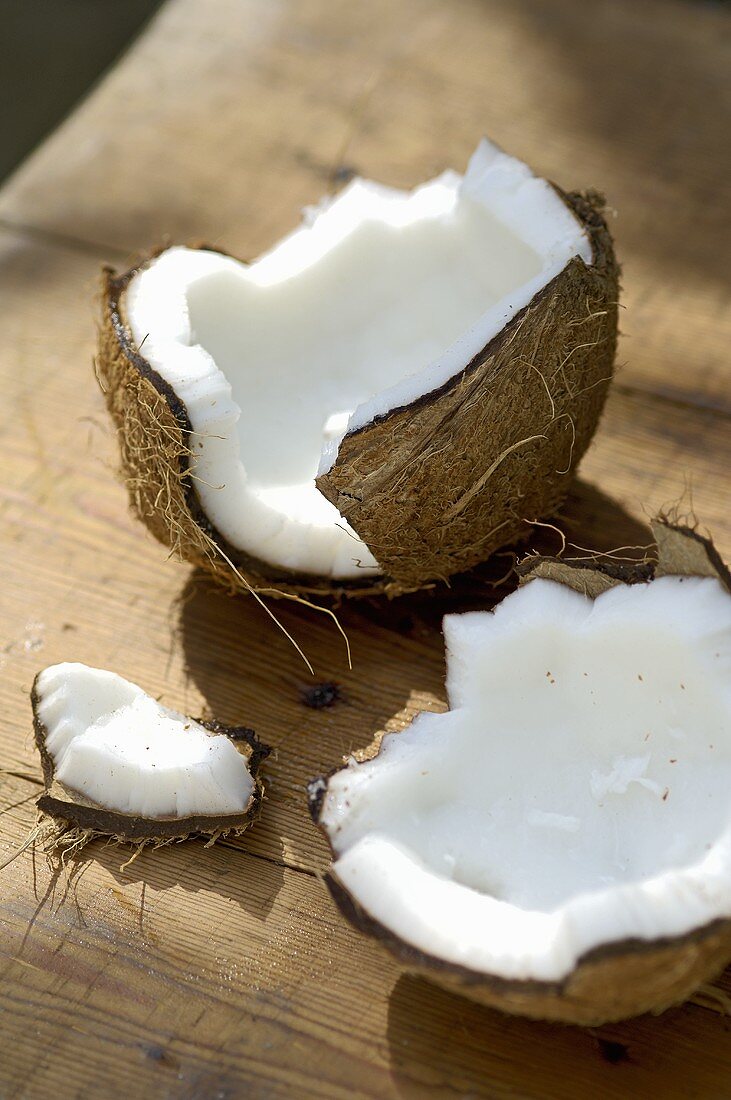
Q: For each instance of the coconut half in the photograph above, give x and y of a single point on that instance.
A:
(558, 844)
(383, 398)
(116, 762)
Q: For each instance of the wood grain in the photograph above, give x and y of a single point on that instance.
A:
(233, 976)
(222, 125)
(211, 972)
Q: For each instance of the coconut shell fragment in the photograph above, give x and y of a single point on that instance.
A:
(679, 551)
(618, 976)
(84, 817)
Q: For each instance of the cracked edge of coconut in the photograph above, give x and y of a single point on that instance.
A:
(78, 816)
(614, 979)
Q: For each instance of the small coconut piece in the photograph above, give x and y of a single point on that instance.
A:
(558, 844)
(384, 398)
(118, 763)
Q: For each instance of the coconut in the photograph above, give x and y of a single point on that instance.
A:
(558, 844)
(384, 398)
(118, 763)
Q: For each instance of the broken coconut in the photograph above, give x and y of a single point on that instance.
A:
(384, 398)
(558, 844)
(118, 763)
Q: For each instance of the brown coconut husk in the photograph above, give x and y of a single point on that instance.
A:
(614, 980)
(79, 819)
(433, 487)
(437, 486)
(680, 551)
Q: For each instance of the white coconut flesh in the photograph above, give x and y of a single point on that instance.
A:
(378, 298)
(114, 744)
(577, 793)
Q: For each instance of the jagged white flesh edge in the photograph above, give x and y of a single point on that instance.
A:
(113, 743)
(376, 818)
(294, 526)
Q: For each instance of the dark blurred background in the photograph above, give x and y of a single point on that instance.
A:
(51, 52)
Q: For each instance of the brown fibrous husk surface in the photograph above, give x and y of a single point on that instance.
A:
(615, 980)
(439, 485)
(432, 488)
(79, 819)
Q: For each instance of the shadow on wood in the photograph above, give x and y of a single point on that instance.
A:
(590, 520)
(250, 673)
(442, 1044)
(231, 872)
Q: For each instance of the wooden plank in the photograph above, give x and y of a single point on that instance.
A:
(176, 978)
(228, 117)
(238, 978)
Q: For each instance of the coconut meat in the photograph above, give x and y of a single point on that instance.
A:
(112, 743)
(379, 298)
(575, 794)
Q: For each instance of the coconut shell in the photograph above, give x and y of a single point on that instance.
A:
(615, 980)
(70, 807)
(437, 486)
(433, 487)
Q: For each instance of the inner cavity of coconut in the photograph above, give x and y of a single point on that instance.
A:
(578, 790)
(378, 298)
(112, 743)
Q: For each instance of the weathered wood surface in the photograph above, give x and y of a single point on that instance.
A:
(226, 972)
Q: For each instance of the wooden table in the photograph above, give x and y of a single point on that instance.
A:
(226, 972)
